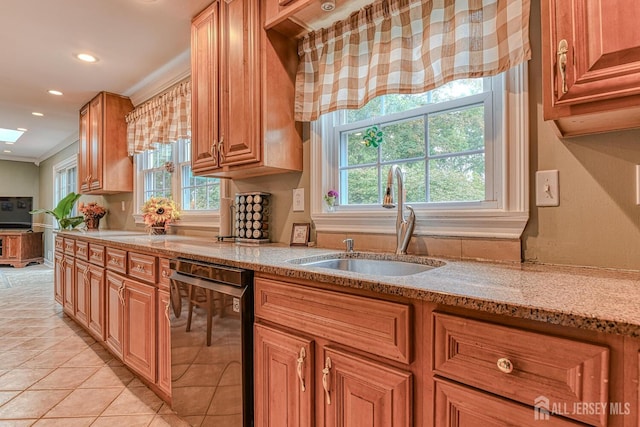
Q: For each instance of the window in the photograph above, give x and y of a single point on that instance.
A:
(440, 140)
(65, 180)
(165, 171)
(462, 147)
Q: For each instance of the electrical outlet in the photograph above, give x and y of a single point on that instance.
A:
(298, 200)
(547, 188)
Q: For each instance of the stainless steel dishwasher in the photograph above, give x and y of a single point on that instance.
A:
(211, 343)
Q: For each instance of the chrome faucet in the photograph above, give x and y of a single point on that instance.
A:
(349, 244)
(404, 227)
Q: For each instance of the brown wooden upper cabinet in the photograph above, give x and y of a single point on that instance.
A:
(591, 65)
(102, 148)
(242, 94)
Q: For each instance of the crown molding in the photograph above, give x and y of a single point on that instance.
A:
(179, 68)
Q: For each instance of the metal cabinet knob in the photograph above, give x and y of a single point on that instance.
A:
(505, 365)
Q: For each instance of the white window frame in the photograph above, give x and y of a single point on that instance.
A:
(203, 219)
(64, 165)
(506, 219)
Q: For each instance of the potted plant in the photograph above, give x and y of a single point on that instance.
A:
(158, 212)
(62, 212)
(92, 212)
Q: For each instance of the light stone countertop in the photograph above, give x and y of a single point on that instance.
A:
(588, 298)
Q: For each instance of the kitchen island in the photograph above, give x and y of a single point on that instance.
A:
(493, 335)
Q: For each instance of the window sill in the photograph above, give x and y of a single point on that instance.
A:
(485, 223)
(207, 221)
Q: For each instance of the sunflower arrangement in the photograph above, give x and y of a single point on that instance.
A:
(158, 212)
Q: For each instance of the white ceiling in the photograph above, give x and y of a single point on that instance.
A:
(138, 42)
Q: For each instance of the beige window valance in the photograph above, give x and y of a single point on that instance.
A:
(163, 119)
(407, 46)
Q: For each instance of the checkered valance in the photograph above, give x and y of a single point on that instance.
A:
(407, 46)
(161, 120)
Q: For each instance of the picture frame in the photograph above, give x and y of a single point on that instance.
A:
(300, 234)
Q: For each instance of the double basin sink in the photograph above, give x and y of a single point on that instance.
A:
(371, 263)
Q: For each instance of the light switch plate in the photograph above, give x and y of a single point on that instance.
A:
(298, 200)
(547, 188)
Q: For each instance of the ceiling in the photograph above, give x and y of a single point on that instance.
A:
(139, 43)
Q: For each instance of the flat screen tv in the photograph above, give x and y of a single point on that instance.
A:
(14, 212)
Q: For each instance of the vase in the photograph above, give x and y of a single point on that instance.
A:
(157, 229)
(92, 223)
(331, 204)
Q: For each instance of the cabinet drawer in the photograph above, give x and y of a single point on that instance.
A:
(117, 260)
(69, 246)
(59, 244)
(460, 406)
(96, 254)
(377, 327)
(143, 267)
(521, 365)
(82, 250)
(165, 273)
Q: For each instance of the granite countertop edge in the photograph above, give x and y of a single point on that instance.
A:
(587, 298)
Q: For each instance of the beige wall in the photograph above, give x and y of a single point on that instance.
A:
(597, 222)
(19, 179)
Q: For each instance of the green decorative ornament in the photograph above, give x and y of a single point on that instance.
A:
(372, 137)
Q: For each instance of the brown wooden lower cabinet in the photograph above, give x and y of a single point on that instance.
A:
(139, 328)
(96, 303)
(164, 343)
(131, 323)
(308, 376)
(58, 281)
(114, 313)
(361, 392)
(18, 248)
(69, 283)
(81, 311)
(460, 406)
(284, 379)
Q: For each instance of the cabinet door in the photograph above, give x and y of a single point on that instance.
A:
(164, 343)
(364, 393)
(68, 278)
(84, 154)
(95, 142)
(96, 301)
(11, 247)
(82, 292)
(240, 78)
(459, 406)
(114, 312)
(204, 90)
(602, 54)
(58, 282)
(284, 383)
(139, 339)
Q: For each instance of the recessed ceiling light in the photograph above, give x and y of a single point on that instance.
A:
(7, 151)
(22, 129)
(86, 57)
(9, 143)
(55, 92)
(35, 113)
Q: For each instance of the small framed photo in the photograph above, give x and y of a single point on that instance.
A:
(300, 234)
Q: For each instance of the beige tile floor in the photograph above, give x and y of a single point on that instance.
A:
(53, 373)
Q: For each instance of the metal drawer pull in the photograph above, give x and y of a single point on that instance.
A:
(140, 268)
(505, 365)
(301, 358)
(114, 261)
(325, 379)
(165, 273)
(563, 49)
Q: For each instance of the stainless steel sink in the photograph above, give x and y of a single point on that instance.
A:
(366, 264)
